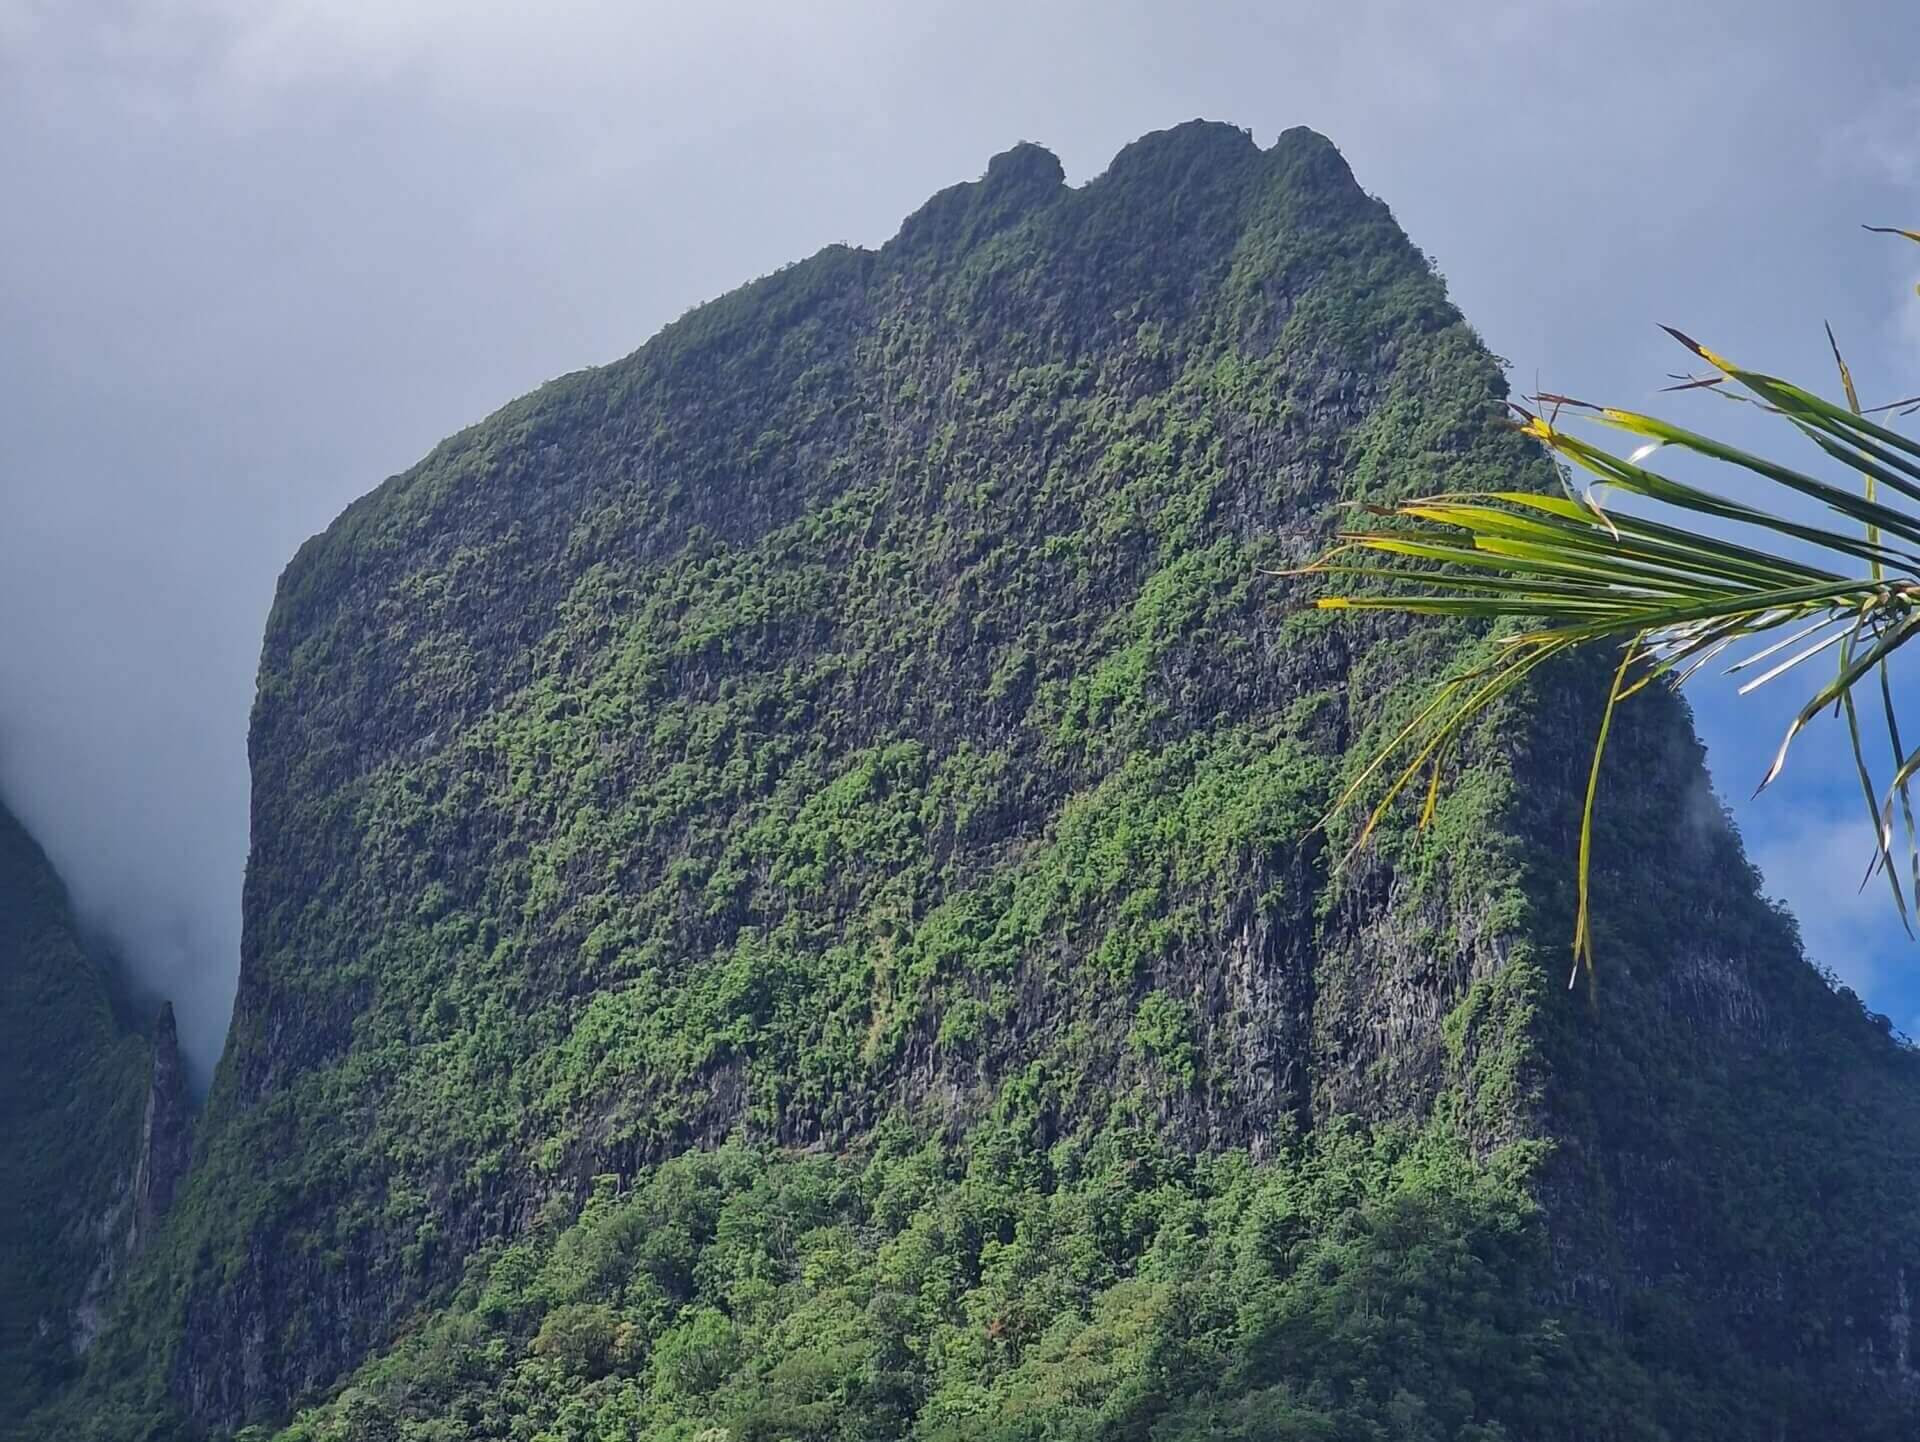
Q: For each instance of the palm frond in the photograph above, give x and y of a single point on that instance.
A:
(1805, 568)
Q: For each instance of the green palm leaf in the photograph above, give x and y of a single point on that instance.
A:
(1673, 594)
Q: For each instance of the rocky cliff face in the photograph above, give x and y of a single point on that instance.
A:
(71, 1079)
(785, 899)
(166, 1136)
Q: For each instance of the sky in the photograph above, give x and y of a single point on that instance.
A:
(257, 255)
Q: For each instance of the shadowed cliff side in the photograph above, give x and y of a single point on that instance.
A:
(73, 1079)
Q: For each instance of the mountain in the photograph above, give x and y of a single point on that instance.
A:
(92, 1130)
(785, 902)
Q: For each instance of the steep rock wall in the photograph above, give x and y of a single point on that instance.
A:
(868, 717)
(72, 1079)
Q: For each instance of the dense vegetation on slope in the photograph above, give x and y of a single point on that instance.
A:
(1714, 1121)
(1356, 1286)
(784, 900)
(72, 1085)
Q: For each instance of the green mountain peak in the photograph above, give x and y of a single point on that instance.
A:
(786, 902)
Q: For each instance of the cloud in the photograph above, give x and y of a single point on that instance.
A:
(1881, 138)
(239, 60)
(1814, 863)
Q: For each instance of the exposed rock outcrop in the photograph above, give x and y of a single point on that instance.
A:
(166, 1137)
